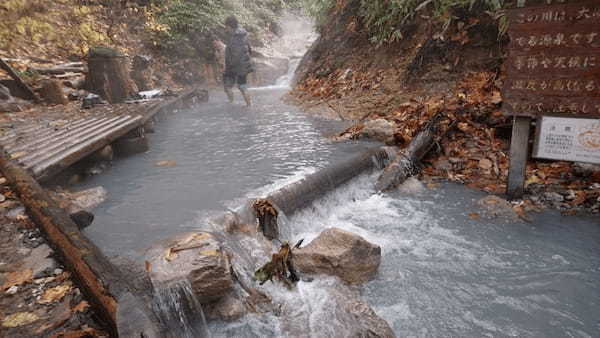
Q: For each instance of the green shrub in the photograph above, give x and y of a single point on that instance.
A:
(385, 19)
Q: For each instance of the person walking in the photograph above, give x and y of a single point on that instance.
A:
(237, 60)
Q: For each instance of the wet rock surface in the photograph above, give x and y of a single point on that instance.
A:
(83, 200)
(494, 207)
(228, 308)
(198, 258)
(333, 310)
(339, 253)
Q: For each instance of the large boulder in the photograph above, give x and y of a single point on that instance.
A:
(268, 70)
(340, 253)
(198, 258)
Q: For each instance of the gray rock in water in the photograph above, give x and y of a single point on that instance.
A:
(340, 253)
(328, 308)
(82, 218)
(268, 70)
(228, 308)
(412, 186)
(493, 207)
(197, 257)
(81, 200)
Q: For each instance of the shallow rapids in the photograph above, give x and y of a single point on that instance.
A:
(445, 274)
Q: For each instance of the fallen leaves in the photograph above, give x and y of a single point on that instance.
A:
(485, 164)
(55, 294)
(18, 278)
(87, 332)
(81, 307)
(19, 319)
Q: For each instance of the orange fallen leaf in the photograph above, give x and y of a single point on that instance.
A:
(81, 307)
(580, 199)
(19, 319)
(474, 215)
(520, 211)
(54, 294)
(17, 278)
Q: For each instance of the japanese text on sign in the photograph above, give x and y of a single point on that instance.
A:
(570, 139)
(554, 60)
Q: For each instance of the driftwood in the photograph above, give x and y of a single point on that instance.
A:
(121, 308)
(267, 218)
(300, 194)
(406, 163)
(6, 67)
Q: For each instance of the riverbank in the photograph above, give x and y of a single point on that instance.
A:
(38, 297)
(391, 90)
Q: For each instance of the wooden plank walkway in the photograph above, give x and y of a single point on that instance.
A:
(45, 150)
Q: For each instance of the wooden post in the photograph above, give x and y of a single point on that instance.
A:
(519, 151)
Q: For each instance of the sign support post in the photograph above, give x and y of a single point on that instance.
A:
(553, 74)
(519, 151)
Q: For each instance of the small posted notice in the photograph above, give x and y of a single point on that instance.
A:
(568, 139)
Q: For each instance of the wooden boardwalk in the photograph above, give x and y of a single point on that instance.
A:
(45, 149)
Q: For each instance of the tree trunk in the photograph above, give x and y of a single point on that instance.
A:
(108, 75)
(101, 282)
(52, 92)
(406, 163)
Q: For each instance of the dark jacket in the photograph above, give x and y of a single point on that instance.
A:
(237, 54)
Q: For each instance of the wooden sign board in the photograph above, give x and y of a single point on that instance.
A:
(554, 60)
(568, 139)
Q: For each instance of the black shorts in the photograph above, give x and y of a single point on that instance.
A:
(229, 80)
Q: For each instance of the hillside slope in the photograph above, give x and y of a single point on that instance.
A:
(450, 63)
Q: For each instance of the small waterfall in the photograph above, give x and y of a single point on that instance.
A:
(179, 311)
(285, 80)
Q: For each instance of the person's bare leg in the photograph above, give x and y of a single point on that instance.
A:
(229, 92)
(246, 95)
